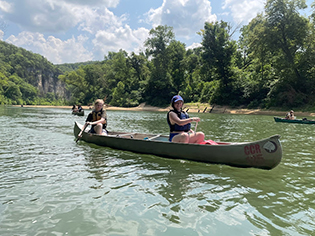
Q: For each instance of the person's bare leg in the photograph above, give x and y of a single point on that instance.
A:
(181, 138)
(196, 137)
(98, 128)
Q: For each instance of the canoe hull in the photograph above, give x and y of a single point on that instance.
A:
(264, 154)
(78, 113)
(296, 121)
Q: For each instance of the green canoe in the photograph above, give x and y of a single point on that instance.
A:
(263, 154)
(78, 113)
(303, 121)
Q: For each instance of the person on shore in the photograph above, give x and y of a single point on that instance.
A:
(97, 118)
(180, 124)
(290, 115)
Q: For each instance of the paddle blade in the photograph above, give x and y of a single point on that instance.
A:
(78, 138)
(80, 134)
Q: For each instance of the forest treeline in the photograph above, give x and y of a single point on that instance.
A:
(271, 65)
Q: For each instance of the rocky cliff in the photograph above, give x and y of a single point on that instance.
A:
(48, 82)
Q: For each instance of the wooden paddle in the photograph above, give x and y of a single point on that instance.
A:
(80, 134)
(196, 126)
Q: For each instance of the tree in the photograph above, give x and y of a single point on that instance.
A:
(159, 88)
(217, 54)
(286, 32)
(13, 92)
(128, 70)
(177, 53)
(256, 62)
(119, 95)
(140, 73)
(192, 64)
(277, 50)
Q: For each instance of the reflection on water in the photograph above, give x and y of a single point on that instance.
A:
(51, 185)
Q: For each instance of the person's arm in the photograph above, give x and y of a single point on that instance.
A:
(82, 130)
(175, 119)
(88, 118)
(97, 122)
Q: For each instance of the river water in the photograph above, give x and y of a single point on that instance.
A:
(51, 185)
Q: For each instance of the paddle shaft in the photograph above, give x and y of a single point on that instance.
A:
(80, 134)
(196, 126)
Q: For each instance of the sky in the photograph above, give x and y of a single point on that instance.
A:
(69, 31)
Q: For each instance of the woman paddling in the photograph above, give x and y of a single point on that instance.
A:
(97, 118)
(179, 123)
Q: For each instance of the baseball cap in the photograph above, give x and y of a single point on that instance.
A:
(177, 98)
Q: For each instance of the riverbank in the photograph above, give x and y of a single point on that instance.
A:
(193, 108)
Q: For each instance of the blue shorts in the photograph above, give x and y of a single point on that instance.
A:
(172, 135)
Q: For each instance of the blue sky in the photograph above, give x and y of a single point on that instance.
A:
(68, 31)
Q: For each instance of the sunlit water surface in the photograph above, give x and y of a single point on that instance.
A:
(51, 185)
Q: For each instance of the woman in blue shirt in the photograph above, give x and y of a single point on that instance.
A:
(179, 123)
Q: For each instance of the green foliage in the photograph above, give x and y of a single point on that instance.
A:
(177, 65)
(208, 91)
(271, 65)
(160, 85)
(13, 92)
(20, 72)
(119, 95)
(286, 32)
(68, 67)
(217, 55)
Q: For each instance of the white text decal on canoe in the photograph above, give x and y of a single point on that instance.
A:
(270, 147)
(253, 153)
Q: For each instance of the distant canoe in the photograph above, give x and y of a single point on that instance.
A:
(263, 154)
(78, 113)
(297, 121)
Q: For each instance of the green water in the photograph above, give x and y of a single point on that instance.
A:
(50, 185)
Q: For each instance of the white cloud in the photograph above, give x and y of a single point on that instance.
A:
(5, 6)
(103, 30)
(93, 20)
(121, 38)
(41, 16)
(243, 11)
(1, 35)
(194, 45)
(54, 49)
(185, 16)
(54, 15)
(75, 49)
(81, 30)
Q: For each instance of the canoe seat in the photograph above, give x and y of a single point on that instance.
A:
(209, 142)
(122, 135)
